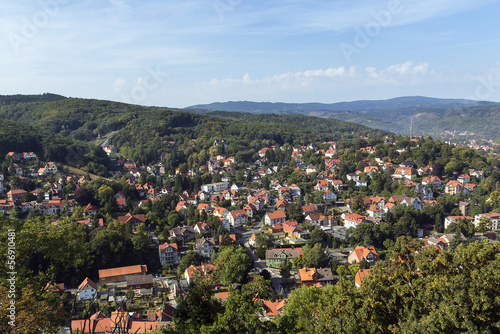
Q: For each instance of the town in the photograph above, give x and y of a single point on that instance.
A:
(328, 215)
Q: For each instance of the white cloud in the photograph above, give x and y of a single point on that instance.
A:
(334, 76)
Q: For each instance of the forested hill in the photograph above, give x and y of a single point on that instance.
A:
(430, 116)
(20, 137)
(140, 133)
(15, 99)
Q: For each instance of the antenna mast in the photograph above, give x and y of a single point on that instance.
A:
(411, 128)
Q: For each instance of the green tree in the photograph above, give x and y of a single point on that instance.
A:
(232, 265)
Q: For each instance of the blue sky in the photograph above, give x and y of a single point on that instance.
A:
(181, 53)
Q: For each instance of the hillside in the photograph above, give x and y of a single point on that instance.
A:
(19, 137)
(141, 132)
(430, 116)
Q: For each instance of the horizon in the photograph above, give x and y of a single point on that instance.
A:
(171, 54)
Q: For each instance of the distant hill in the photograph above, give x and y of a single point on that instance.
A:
(430, 116)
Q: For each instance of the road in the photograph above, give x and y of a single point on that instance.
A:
(261, 264)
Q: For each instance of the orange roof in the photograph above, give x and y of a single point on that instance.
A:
(360, 275)
(454, 184)
(167, 245)
(142, 326)
(273, 308)
(362, 252)
(308, 274)
(278, 214)
(130, 270)
(222, 295)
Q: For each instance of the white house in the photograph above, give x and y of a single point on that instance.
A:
(215, 187)
(87, 289)
(494, 217)
(169, 253)
(274, 217)
(237, 217)
(353, 220)
(329, 196)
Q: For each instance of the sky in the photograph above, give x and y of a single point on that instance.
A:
(182, 53)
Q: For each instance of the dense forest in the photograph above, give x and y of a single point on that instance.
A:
(20, 137)
(140, 133)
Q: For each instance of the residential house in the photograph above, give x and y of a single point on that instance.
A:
(353, 220)
(205, 247)
(371, 169)
(404, 173)
(169, 253)
(90, 210)
(412, 201)
(205, 229)
(282, 204)
(250, 209)
(140, 282)
(423, 192)
(252, 241)
(352, 177)
(436, 181)
(314, 276)
(220, 212)
(133, 219)
(375, 211)
(192, 272)
(463, 179)
(493, 216)
(308, 209)
(329, 196)
(272, 309)
(237, 218)
(360, 253)
(236, 187)
(453, 219)
(273, 217)
(275, 257)
(476, 173)
(361, 183)
(338, 185)
(53, 287)
(361, 274)
(321, 185)
(16, 194)
(316, 219)
(183, 234)
(87, 290)
(215, 187)
(453, 188)
(120, 274)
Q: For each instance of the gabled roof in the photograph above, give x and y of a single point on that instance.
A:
(278, 214)
(85, 282)
(361, 275)
(166, 245)
(238, 213)
(130, 270)
(362, 252)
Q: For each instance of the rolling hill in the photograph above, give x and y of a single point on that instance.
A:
(430, 116)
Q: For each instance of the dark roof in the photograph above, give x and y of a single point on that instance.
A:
(140, 280)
